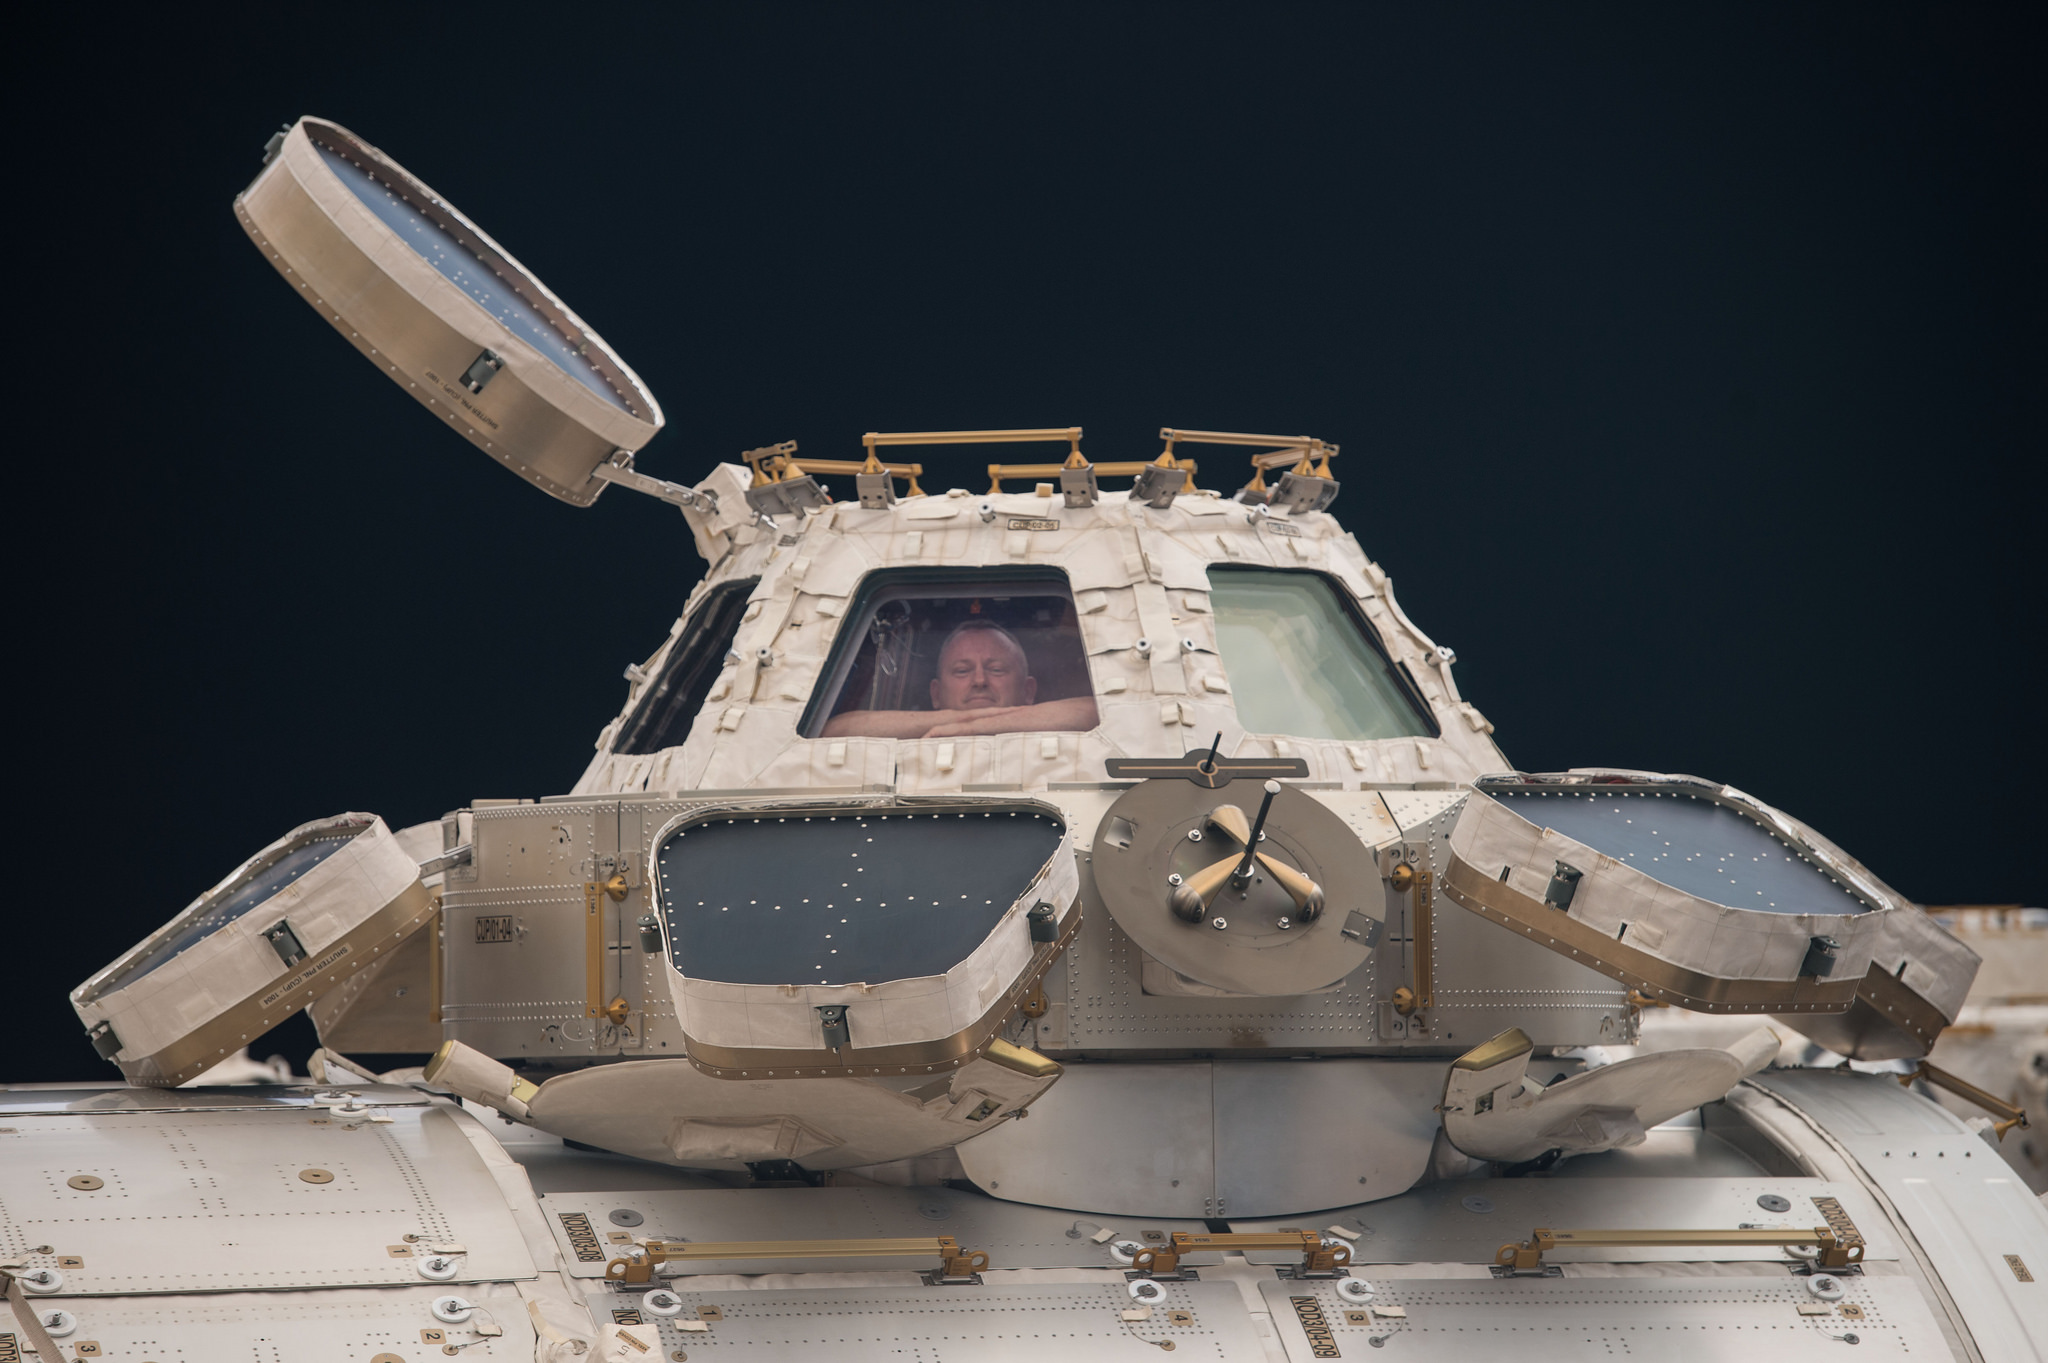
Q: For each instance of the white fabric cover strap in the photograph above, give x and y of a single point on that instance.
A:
(1494, 1111)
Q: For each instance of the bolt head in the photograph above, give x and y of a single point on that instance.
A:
(1219, 923)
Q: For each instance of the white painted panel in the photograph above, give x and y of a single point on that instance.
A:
(215, 1201)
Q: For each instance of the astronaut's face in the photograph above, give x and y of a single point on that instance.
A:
(982, 669)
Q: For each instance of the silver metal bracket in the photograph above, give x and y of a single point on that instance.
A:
(1301, 494)
(1806, 1268)
(877, 490)
(1547, 1271)
(455, 856)
(675, 494)
(1078, 486)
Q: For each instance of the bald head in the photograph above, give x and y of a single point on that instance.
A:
(982, 667)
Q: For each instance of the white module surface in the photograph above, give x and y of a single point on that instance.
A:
(236, 1200)
(350, 1325)
(1570, 1320)
(1070, 1323)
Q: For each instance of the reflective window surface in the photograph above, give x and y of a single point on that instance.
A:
(251, 894)
(466, 271)
(841, 899)
(1690, 844)
(1303, 663)
(937, 653)
(670, 705)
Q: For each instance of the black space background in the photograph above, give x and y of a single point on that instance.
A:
(1687, 361)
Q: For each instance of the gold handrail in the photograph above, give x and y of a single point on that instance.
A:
(1021, 436)
(1122, 468)
(1835, 1252)
(910, 473)
(1304, 455)
(2009, 1115)
(779, 464)
(954, 1261)
(1316, 1257)
(764, 460)
(1173, 435)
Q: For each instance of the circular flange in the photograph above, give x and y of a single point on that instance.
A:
(86, 1183)
(1146, 1291)
(1357, 1291)
(1774, 1202)
(1238, 943)
(452, 1310)
(626, 1216)
(1826, 1287)
(58, 1324)
(315, 1176)
(661, 1302)
(437, 1267)
(42, 1282)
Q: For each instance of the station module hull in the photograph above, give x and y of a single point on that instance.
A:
(1048, 919)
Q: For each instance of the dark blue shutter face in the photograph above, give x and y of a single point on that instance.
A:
(847, 898)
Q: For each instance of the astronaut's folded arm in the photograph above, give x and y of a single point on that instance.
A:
(1073, 714)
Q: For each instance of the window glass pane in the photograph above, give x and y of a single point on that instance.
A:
(666, 712)
(931, 653)
(1302, 662)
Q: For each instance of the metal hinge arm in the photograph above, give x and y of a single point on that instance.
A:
(675, 494)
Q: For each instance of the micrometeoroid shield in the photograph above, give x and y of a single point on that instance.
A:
(286, 926)
(444, 311)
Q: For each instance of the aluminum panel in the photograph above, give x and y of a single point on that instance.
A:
(1302, 1134)
(1200, 1138)
(1982, 1230)
(90, 1099)
(1074, 1323)
(518, 942)
(339, 1326)
(232, 1201)
(1012, 1235)
(1569, 1320)
(1121, 1138)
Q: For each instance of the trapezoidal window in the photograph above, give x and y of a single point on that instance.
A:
(1303, 662)
(663, 717)
(932, 652)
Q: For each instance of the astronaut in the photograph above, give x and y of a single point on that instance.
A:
(984, 686)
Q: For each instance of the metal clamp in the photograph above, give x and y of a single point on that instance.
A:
(675, 494)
